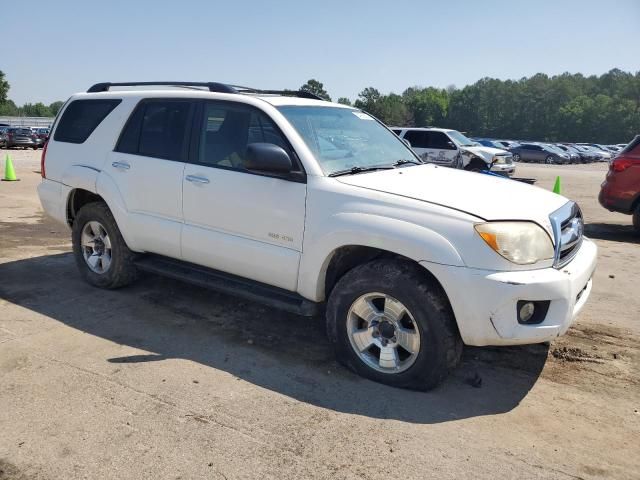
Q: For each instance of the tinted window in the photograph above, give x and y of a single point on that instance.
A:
(397, 132)
(157, 129)
(417, 138)
(228, 128)
(440, 141)
(81, 118)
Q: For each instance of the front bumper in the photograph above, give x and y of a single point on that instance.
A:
(484, 302)
(504, 168)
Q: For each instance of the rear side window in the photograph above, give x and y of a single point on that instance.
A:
(157, 129)
(81, 118)
(417, 138)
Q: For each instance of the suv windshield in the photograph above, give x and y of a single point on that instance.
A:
(344, 138)
(460, 139)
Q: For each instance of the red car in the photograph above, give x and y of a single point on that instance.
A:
(620, 191)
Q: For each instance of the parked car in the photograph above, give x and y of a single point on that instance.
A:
(3, 135)
(576, 155)
(538, 153)
(507, 144)
(590, 154)
(489, 143)
(451, 148)
(620, 191)
(602, 155)
(565, 157)
(233, 189)
(20, 137)
(40, 135)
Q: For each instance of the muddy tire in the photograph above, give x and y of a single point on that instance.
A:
(365, 307)
(101, 254)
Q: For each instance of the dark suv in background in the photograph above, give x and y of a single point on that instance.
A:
(20, 137)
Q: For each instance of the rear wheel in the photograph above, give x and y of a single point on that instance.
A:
(636, 218)
(548, 160)
(391, 323)
(101, 254)
(516, 157)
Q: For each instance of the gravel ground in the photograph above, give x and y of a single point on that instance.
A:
(166, 380)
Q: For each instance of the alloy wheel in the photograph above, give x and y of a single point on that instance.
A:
(383, 333)
(96, 247)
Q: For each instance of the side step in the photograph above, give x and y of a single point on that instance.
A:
(226, 283)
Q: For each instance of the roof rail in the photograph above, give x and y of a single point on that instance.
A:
(212, 86)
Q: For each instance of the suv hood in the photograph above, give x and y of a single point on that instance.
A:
(488, 197)
(486, 153)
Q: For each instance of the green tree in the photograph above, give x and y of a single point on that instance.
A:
(55, 107)
(317, 88)
(344, 101)
(4, 88)
(35, 110)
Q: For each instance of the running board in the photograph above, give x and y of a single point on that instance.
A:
(226, 283)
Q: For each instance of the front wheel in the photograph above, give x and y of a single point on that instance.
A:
(548, 160)
(636, 218)
(101, 254)
(389, 322)
(516, 157)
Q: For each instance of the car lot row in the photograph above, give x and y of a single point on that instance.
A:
(23, 137)
(555, 153)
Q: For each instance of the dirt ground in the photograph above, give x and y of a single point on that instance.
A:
(165, 380)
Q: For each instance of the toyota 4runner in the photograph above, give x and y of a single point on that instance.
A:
(311, 206)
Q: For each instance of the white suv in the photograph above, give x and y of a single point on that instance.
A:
(451, 148)
(312, 206)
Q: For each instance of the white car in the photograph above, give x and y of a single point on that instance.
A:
(451, 148)
(312, 206)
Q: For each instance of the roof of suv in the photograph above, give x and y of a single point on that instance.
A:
(205, 90)
(275, 100)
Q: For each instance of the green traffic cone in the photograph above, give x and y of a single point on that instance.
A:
(556, 187)
(9, 172)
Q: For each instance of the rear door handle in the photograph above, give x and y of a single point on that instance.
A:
(196, 179)
(121, 165)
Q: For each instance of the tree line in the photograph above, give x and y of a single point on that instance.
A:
(567, 107)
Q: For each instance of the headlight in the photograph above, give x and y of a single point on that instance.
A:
(523, 243)
(499, 159)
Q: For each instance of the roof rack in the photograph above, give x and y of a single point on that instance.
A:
(212, 86)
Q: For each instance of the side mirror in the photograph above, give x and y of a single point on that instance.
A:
(406, 142)
(451, 145)
(268, 158)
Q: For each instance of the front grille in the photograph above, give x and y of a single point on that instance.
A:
(568, 227)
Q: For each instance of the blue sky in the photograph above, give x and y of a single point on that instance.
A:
(63, 46)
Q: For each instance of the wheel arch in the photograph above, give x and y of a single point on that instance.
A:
(360, 239)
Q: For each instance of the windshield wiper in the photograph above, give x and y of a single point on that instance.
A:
(354, 170)
(404, 161)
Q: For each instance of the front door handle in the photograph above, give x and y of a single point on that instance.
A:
(196, 179)
(121, 165)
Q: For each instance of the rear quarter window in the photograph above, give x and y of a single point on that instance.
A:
(81, 118)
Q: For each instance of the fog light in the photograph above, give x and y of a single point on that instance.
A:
(532, 312)
(526, 311)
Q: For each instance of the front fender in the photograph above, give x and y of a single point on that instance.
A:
(367, 230)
